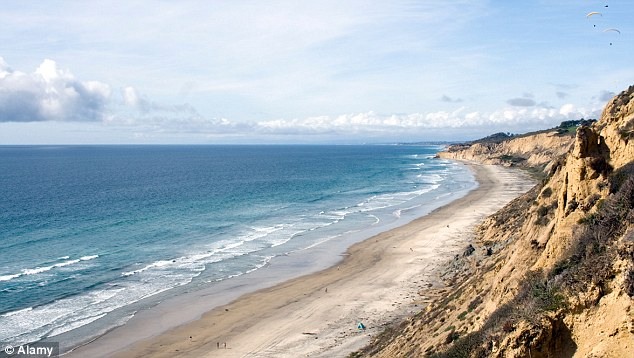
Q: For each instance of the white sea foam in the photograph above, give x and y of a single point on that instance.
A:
(18, 312)
(9, 277)
(41, 269)
(376, 219)
(69, 313)
(289, 237)
(321, 241)
(156, 264)
(69, 326)
(431, 178)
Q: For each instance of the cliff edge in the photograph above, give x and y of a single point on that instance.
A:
(552, 273)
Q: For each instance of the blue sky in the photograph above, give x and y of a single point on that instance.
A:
(304, 71)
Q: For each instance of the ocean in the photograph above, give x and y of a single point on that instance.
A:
(91, 234)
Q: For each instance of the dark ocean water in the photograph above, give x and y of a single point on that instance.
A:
(86, 230)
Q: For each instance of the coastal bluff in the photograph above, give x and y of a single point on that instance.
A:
(533, 150)
(552, 273)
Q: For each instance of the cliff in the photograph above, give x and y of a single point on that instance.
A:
(527, 151)
(552, 274)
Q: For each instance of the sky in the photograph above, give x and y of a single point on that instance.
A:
(323, 71)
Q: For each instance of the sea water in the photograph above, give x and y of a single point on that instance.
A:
(86, 231)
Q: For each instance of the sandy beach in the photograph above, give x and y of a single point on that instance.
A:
(377, 281)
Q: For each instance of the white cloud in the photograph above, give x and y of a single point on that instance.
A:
(131, 97)
(370, 123)
(567, 109)
(53, 95)
(49, 94)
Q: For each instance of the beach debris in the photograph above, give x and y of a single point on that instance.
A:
(361, 326)
(309, 333)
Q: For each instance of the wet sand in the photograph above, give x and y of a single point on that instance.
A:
(377, 281)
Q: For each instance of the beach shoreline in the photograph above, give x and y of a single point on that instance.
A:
(377, 282)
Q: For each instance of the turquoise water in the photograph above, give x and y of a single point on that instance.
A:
(87, 230)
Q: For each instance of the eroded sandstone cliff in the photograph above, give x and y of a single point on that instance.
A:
(535, 151)
(552, 274)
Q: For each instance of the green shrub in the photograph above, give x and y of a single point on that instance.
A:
(462, 347)
(538, 294)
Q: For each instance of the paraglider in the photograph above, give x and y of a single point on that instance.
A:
(590, 14)
(612, 30)
(593, 15)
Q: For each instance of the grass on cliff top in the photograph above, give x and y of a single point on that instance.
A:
(565, 128)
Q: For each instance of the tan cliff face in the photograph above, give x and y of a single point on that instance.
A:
(489, 312)
(617, 127)
(533, 151)
(581, 182)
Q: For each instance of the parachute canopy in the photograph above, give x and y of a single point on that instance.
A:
(594, 13)
(612, 30)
